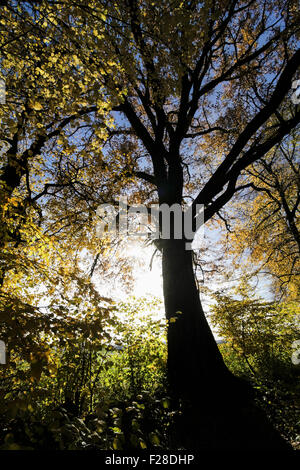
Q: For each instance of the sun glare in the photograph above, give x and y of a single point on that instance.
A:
(147, 276)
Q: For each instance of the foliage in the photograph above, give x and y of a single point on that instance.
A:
(112, 395)
(258, 329)
(141, 340)
(91, 387)
(265, 227)
(258, 346)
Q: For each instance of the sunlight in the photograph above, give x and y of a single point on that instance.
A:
(147, 279)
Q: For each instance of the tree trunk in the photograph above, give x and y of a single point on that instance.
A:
(219, 411)
(193, 355)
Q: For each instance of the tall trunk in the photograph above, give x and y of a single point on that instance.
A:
(197, 372)
(193, 356)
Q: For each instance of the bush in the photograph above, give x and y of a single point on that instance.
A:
(96, 394)
(259, 336)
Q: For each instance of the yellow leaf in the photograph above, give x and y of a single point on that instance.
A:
(143, 444)
(35, 105)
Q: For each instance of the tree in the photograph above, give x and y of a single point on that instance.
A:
(260, 332)
(195, 91)
(267, 225)
(261, 344)
(39, 268)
